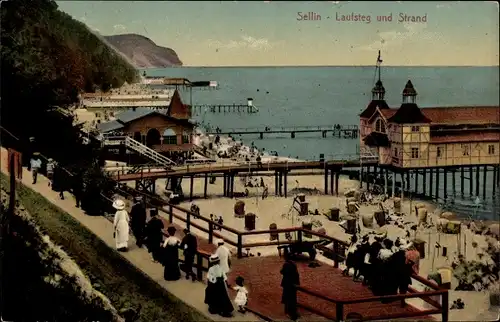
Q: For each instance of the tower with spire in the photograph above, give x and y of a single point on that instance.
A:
(409, 112)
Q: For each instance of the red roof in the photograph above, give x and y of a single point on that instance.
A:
(466, 137)
(463, 114)
(388, 113)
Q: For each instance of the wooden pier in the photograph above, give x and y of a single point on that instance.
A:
(341, 131)
(224, 108)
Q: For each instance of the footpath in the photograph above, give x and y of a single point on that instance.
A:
(192, 294)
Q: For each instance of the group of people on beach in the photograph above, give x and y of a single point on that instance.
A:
(166, 251)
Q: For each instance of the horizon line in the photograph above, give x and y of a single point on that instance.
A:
(275, 66)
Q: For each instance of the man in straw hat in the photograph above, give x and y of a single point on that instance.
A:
(121, 226)
(35, 165)
(224, 255)
(216, 295)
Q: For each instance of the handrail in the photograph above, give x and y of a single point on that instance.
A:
(339, 303)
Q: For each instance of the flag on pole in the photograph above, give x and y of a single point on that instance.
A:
(379, 60)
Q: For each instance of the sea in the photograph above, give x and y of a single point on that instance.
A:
(315, 96)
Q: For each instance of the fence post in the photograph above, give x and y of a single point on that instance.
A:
(171, 214)
(336, 254)
(210, 232)
(199, 267)
(339, 311)
(444, 307)
(188, 220)
(240, 246)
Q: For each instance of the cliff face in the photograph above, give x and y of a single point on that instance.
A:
(143, 52)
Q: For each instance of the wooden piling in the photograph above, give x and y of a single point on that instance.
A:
(276, 183)
(326, 181)
(337, 175)
(285, 183)
(424, 183)
(191, 187)
(445, 179)
(485, 170)
(205, 186)
(462, 174)
(416, 180)
(495, 174)
(437, 184)
(431, 179)
(332, 175)
(471, 187)
(477, 180)
(224, 184)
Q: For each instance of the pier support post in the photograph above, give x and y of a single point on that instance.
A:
(225, 184)
(407, 186)
(276, 183)
(424, 181)
(393, 194)
(477, 180)
(285, 183)
(205, 186)
(445, 179)
(462, 185)
(471, 186)
(402, 175)
(437, 184)
(453, 182)
(280, 185)
(232, 184)
(326, 181)
(416, 181)
(495, 174)
(361, 175)
(337, 175)
(332, 178)
(191, 186)
(485, 169)
(431, 179)
(368, 172)
(386, 178)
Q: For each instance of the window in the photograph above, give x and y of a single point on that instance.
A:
(380, 126)
(414, 153)
(439, 152)
(491, 149)
(465, 150)
(169, 137)
(415, 128)
(186, 137)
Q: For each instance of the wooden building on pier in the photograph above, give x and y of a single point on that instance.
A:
(168, 131)
(417, 140)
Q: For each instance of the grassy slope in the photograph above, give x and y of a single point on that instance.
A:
(122, 283)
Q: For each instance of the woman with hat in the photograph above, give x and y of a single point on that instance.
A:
(171, 245)
(216, 295)
(224, 255)
(121, 225)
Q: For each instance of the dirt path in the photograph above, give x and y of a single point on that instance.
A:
(129, 279)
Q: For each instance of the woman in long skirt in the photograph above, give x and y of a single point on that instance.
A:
(216, 295)
(171, 271)
(121, 226)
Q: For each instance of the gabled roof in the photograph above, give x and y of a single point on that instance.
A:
(372, 107)
(109, 126)
(131, 115)
(409, 113)
(463, 114)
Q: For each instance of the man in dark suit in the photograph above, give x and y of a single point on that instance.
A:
(190, 246)
(138, 218)
(289, 283)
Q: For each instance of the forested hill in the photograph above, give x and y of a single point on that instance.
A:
(48, 58)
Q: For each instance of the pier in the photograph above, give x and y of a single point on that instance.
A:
(340, 131)
(224, 108)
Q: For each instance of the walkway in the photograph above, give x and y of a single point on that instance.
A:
(189, 292)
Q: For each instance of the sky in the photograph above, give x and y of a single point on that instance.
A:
(272, 33)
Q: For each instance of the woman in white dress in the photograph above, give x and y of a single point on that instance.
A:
(121, 226)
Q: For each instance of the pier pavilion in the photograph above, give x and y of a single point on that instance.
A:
(433, 144)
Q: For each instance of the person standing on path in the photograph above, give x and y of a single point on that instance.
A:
(170, 261)
(154, 235)
(35, 165)
(59, 182)
(77, 181)
(121, 226)
(50, 170)
(216, 295)
(190, 246)
(289, 283)
(224, 255)
(138, 218)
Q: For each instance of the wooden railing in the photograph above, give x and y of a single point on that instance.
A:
(189, 218)
(439, 308)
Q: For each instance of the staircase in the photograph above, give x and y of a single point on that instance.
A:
(139, 148)
(148, 152)
(368, 155)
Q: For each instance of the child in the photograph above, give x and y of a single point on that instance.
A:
(242, 295)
